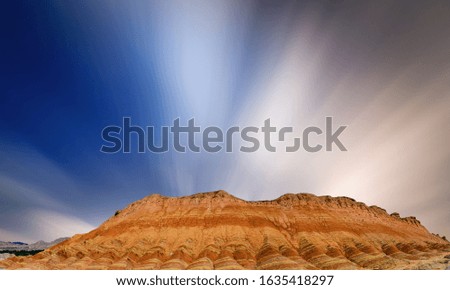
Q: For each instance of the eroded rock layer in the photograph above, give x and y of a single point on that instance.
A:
(219, 231)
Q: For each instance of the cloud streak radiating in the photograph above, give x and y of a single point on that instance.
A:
(380, 68)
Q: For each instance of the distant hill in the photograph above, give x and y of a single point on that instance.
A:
(19, 243)
(19, 246)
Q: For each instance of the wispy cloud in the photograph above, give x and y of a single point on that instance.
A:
(32, 205)
(382, 74)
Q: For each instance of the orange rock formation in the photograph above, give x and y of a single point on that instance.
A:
(219, 231)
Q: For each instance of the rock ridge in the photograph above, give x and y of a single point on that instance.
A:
(216, 230)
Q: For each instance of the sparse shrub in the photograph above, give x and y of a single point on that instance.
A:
(21, 253)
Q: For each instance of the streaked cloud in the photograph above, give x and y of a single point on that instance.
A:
(380, 69)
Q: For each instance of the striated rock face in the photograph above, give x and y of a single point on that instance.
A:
(219, 231)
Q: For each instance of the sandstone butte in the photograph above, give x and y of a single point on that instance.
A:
(219, 231)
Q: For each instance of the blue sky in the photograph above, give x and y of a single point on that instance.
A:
(68, 69)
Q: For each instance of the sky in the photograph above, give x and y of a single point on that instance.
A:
(68, 69)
